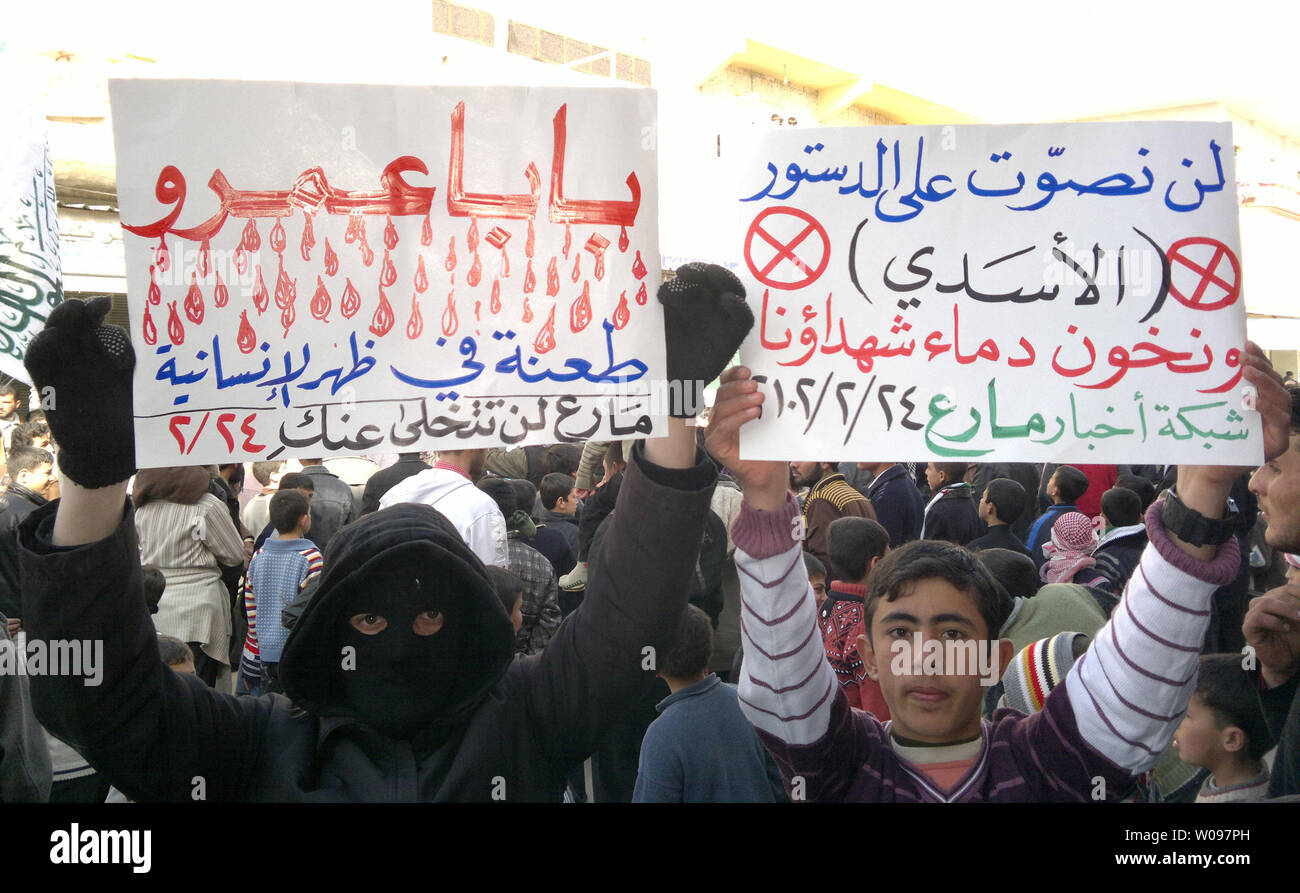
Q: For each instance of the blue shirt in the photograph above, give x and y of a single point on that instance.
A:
(702, 749)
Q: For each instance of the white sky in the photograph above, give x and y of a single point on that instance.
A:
(1009, 60)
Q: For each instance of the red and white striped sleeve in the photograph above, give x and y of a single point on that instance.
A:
(1130, 690)
(314, 564)
(786, 686)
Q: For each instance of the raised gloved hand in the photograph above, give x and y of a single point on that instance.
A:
(82, 370)
(705, 319)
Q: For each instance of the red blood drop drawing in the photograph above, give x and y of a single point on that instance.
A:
(175, 330)
(277, 237)
(421, 277)
(450, 263)
(530, 279)
(478, 311)
(220, 294)
(426, 232)
(205, 258)
(505, 264)
(545, 340)
(287, 317)
(414, 325)
(495, 305)
(530, 241)
(155, 293)
(390, 235)
(354, 221)
(283, 288)
(471, 237)
(308, 238)
(321, 301)
(150, 330)
(641, 295)
(623, 240)
(247, 339)
(577, 268)
(331, 259)
(241, 259)
(638, 267)
(621, 314)
(162, 257)
(383, 319)
(367, 255)
(351, 301)
(194, 301)
(568, 239)
(596, 246)
(260, 296)
(552, 279)
(450, 322)
(251, 240)
(475, 272)
(528, 311)
(580, 310)
(387, 272)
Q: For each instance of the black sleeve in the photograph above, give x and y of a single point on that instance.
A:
(149, 730)
(583, 681)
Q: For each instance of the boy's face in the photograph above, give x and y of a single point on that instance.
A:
(934, 477)
(1199, 739)
(818, 583)
(929, 699)
(517, 615)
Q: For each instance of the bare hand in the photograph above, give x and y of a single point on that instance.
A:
(1272, 629)
(764, 482)
(15, 626)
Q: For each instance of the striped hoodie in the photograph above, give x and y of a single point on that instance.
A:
(1111, 719)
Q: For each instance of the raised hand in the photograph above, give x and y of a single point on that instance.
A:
(764, 482)
(82, 370)
(1272, 629)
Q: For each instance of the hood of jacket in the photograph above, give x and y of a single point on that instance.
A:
(418, 540)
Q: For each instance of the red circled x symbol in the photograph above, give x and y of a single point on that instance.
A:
(1209, 274)
(785, 250)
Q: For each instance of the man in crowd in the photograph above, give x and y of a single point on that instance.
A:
(332, 505)
(449, 487)
(831, 497)
(898, 504)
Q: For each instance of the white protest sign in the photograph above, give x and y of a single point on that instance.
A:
(319, 270)
(1065, 292)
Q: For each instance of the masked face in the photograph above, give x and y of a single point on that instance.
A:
(407, 651)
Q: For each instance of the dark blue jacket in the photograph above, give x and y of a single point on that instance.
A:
(898, 504)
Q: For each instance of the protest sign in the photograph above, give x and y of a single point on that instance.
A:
(1065, 292)
(320, 270)
(31, 280)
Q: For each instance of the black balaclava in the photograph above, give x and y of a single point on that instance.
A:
(402, 681)
(397, 563)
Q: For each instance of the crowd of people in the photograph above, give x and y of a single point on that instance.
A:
(543, 622)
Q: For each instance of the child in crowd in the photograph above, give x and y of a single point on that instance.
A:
(510, 590)
(176, 654)
(933, 615)
(856, 545)
(1224, 731)
(277, 574)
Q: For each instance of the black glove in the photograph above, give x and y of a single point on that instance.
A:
(82, 370)
(705, 320)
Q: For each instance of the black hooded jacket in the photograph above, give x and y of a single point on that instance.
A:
(512, 728)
